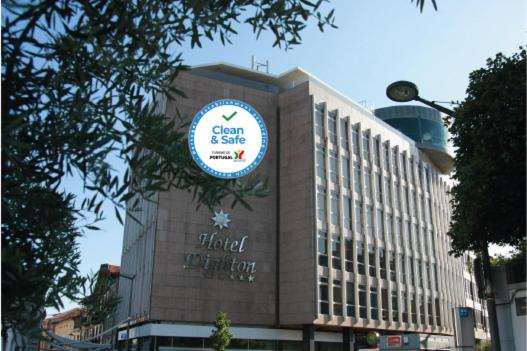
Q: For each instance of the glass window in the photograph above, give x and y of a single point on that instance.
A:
(402, 270)
(362, 301)
(384, 300)
(350, 299)
(378, 187)
(367, 181)
(358, 216)
(334, 208)
(335, 251)
(344, 139)
(320, 160)
(357, 178)
(403, 166)
(404, 307)
(386, 154)
(382, 263)
(321, 203)
(435, 279)
(322, 248)
(377, 150)
(355, 137)
(366, 145)
(413, 308)
(406, 195)
(395, 164)
(360, 258)
(438, 312)
(430, 314)
(373, 304)
(395, 307)
(428, 275)
(389, 227)
(419, 274)
(371, 260)
(349, 255)
(387, 192)
(408, 242)
(345, 172)
(332, 126)
(422, 309)
(347, 212)
(411, 271)
(333, 166)
(380, 224)
(369, 220)
(319, 120)
(323, 295)
(337, 298)
(396, 197)
(399, 231)
(393, 274)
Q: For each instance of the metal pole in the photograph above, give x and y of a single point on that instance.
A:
(434, 105)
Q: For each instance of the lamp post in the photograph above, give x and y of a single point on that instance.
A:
(404, 91)
(131, 278)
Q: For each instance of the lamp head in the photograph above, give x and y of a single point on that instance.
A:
(402, 91)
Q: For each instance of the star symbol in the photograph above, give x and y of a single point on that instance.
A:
(241, 277)
(232, 276)
(251, 278)
(221, 219)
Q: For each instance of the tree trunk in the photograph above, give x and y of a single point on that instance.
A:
(491, 305)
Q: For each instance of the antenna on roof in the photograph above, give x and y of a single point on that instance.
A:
(368, 105)
(257, 65)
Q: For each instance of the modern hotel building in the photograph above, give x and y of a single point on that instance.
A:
(351, 240)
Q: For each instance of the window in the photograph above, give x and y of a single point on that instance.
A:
(386, 154)
(404, 204)
(350, 299)
(321, 203)
(438, 312)
(332, 126)
(319, 120)
(389, 227)
(395, 164)
(335, 251)
(358, 216)
(344, 139)
(411, 170)
(333, 166)
(422, 309)
(395, 307)
(430, 314)
(362, 301)
(371, 260)
(367, 181)
(393, 274)
(335, 208)
(429, 275)
(323, 295)
(403, 166)
(380, 224)
(435, 278)
(384, 300)
(337, 298)
(357, 178)
(427, 178)
(369, 220)
(322, 248)
(355, 139)
(411, 270)
(402, 270)
(382, 263)
(419, 274)
(396, 197)
(387, 191)
(320, 161)
(377, 151)
(349, 255)
(429, 213)
(413, 308)
(407, 237)
(366, 145)
(360, 258)
(374, 310)
(406, 195)
(378, 187)
(345, 163)
(404, 307)
(399, 231)
(347, 212)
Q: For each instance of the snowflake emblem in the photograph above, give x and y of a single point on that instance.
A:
(221, 219)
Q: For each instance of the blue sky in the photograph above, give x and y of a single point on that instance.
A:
(377, 42)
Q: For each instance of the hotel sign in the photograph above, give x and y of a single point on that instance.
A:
(218, 256)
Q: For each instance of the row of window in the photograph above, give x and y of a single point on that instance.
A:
(377, 312)
(387, 262)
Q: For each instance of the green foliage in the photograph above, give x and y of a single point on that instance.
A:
(518, 257)
(221, 336)
(102, 300)
(486, 346)
(488, 132)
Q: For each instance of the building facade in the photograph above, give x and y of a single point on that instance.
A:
(351, 239)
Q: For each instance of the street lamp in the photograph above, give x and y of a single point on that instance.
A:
(404, 91)
(131, 278)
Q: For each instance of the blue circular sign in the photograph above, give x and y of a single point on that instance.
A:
(228, 138)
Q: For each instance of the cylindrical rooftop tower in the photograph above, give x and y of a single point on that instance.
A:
(425, 126)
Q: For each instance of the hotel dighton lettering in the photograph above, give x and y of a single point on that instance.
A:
(219, 256)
